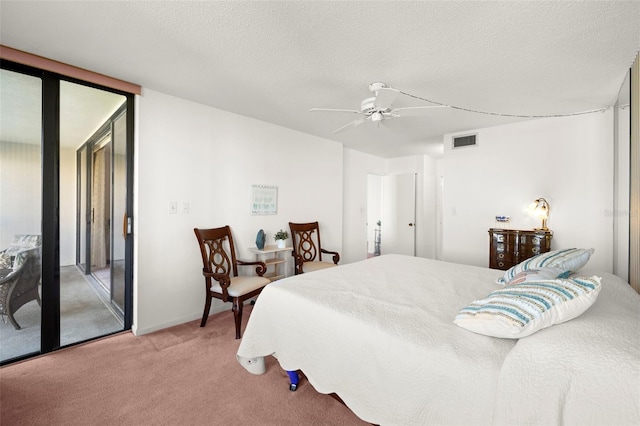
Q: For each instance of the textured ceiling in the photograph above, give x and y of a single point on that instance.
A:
(275, 60)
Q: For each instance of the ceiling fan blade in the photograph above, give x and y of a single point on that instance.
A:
(414, 111)
(353, 111)
(385, 97)
(352, 124)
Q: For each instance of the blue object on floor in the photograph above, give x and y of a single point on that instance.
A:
(294, 379)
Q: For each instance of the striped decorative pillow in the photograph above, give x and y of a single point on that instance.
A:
(538, 274)
(568, 260)
(522, 309)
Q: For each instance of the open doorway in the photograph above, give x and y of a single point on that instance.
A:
(391, 213)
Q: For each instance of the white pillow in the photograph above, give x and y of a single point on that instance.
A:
(539, 274)
(569, 260)
(520, 310)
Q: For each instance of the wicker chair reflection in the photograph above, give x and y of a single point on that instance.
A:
(19, 285)
(220, 270)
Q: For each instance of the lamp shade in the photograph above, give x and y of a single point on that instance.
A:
(540, 209)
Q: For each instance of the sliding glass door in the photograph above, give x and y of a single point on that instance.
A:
(102, 201)
(66, 188)
(121, 226)
(20, 213)
(87, 137)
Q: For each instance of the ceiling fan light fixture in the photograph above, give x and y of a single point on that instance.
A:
(374, 87)
(379, 107)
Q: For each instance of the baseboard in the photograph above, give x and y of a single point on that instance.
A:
(177, 321)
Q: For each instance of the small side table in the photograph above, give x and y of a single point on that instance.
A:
(275, 258)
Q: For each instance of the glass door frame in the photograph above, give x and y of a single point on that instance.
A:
(50, 290)
(84, 213)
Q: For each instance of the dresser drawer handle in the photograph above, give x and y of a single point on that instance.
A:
(501, 256)
(501, 264)
(535, 249)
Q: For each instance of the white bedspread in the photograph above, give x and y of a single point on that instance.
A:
(379, 333)
(583, 372)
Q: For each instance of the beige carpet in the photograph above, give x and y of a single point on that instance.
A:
(184, 375)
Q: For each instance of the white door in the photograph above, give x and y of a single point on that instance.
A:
(398, 233)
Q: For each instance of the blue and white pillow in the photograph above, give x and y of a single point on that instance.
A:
(538, 274)
(520, 310)
(568, 260)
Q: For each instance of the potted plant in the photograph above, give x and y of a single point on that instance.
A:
(281, 237)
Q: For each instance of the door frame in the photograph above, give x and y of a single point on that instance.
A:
(381, 209)
(50, 214)
(87, 150)
(403, 187)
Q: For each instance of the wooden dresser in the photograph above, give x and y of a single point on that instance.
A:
(508, 247)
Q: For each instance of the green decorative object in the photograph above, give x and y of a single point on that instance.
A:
(281, 237)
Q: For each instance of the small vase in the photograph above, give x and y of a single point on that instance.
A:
(260, 239)
(281, 243)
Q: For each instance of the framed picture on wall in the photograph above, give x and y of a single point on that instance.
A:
(264, 199)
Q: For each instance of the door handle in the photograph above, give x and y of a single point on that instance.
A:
(411, 224)
(124, 226)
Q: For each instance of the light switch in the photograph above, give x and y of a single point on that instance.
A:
(173, 207)
(185, 207)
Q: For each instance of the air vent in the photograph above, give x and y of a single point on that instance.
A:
(467, 140)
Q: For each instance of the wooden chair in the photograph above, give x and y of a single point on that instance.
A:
(307, 250)
(221, 273)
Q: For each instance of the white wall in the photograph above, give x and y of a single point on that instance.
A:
(439, 214)
(357, 166)
(427, 209)
(622, 187)
(190, 153)
(20, 193)
(374, 209)
(68, 183)
(568, 161)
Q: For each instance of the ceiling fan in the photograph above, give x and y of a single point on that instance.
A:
(378, 108)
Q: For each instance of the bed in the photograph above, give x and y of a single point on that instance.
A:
(380, 334)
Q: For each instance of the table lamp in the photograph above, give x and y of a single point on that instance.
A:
(540, 208)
